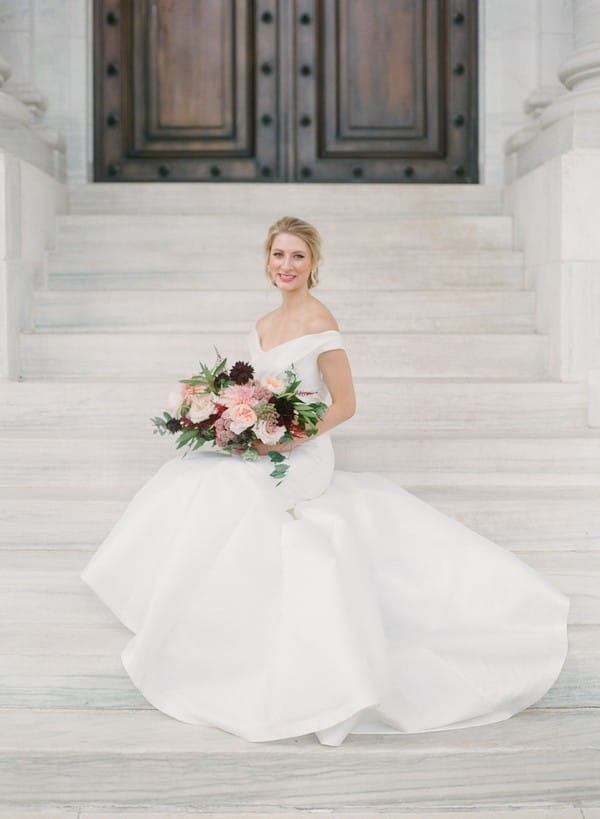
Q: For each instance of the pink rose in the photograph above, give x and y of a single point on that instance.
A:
(272, 384)
(238, 394)
(202, 406)
(268, 432)
(241, 417)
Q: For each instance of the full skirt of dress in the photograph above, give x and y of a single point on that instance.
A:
(360, 609)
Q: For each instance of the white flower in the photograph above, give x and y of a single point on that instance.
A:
(202, 406)
(269, 433)
(174, 402)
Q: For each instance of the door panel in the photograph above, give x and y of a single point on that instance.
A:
(195, 81)
(281, 90)
(391, 93)
(176, 92)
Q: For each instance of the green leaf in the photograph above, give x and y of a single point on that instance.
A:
(276, 457)
(279, 472)
(220, 367)
(186, 437)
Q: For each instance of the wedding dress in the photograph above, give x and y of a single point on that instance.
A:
(334, 603)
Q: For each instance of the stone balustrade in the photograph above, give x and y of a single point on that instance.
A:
(23, 132)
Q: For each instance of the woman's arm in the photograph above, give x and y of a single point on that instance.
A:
(337, 376)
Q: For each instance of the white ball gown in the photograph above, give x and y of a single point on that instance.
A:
(334, 603)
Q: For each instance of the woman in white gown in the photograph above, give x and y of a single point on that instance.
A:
(334, 602)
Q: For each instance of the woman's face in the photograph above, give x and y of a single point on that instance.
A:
(290, 262)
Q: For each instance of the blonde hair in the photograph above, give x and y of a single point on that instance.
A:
(303, 230)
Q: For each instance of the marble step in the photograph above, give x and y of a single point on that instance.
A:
(175, 354)
(34, 458)
(146, 760)
(420, 405)
(54, 665)
(569, 812)
(60, 596)
(74, 666)
(528, 518)
(242, 268)
(271, 200)
(197, 234)
(221, 310)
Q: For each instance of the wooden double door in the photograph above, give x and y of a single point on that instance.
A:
(286, 90)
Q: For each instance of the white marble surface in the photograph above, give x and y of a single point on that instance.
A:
(117, 459)
(419, 405)
(16, 48)
(416, 355)
(506, 89)
(581, 318)
(594, 400)
(556, 216)
(520, 46)
(14, 15)
(48, 44)
(29, 198)
(580, 208)
(146, 760)
(60, 665)
(554, 49)
(202, 234)
(529, 518)
(136, 268)
(556, 16)
(543, 813)
(322, 200)
(516, 813)
(407, 311)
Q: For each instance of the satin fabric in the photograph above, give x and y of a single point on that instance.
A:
(334, 603)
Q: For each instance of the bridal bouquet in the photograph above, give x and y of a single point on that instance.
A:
(232, 410)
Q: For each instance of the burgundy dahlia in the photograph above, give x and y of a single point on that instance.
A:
(285, 410)
(241, 372)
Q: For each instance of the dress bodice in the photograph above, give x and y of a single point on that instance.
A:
(303, 352)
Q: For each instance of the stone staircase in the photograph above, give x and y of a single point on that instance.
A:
(441, 333)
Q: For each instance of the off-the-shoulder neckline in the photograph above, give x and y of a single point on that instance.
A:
(289, 341)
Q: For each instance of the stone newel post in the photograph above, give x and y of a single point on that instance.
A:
(554, 173)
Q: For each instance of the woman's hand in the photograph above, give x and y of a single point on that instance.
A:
(285, 447)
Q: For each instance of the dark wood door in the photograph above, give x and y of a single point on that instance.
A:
(285, 90)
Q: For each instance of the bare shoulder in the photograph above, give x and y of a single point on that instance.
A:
(263, 322)
(321, 318)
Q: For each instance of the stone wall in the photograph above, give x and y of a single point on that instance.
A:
(522, 45)
(47, 44)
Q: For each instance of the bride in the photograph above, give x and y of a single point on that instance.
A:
(334, 602)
